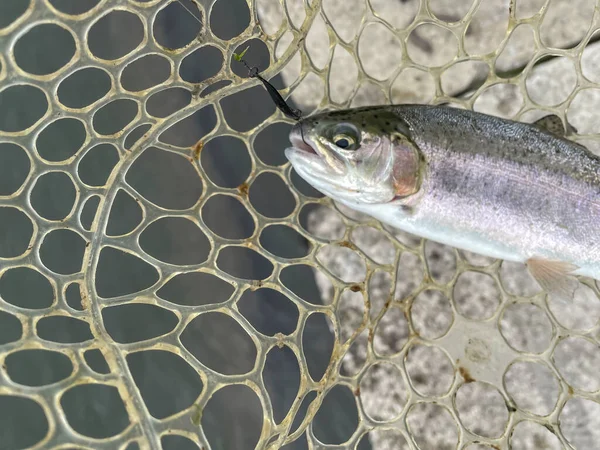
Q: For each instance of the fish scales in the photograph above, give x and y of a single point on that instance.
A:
(530, 193)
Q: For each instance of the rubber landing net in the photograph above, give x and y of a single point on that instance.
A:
(166, 280)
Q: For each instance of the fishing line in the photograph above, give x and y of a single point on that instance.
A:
(253, 72)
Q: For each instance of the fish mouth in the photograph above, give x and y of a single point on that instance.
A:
(304, 156)
(298, 140)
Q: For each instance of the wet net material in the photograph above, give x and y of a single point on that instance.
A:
(167, 281)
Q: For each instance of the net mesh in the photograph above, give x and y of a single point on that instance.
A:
(428, 347)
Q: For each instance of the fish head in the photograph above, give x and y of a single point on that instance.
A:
(360, 156)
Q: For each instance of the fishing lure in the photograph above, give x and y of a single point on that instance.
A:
(279, 101)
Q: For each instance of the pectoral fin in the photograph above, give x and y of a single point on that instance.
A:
(554, 277)
(553, 124)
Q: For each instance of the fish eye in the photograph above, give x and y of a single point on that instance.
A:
(346, 137)
(343, 141)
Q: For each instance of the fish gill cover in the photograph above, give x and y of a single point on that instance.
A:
(167, 281)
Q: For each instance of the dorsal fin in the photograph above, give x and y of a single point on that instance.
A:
(554, 125)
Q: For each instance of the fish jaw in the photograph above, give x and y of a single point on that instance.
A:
(316, 172)
(298, 140)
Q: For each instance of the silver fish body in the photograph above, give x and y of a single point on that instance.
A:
(492, 186)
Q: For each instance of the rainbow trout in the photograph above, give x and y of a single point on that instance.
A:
(509, 190)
